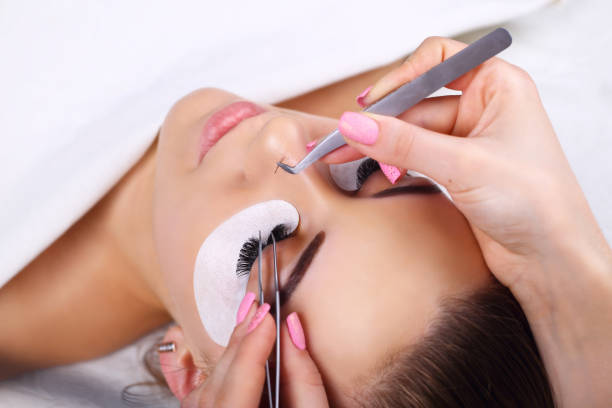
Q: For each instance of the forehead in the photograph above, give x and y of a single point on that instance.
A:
(376, 282)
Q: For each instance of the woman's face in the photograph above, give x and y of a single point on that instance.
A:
(375, 280)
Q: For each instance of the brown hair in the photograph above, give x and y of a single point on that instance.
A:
(478, 352)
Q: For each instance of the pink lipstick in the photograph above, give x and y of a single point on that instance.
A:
(223, 121)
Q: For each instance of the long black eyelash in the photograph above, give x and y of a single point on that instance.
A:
(365, 170)
(250, 250)
(246, 257)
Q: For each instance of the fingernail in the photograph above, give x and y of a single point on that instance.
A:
(295, 331)
(259, 316)
(244, 307)
(311, 145)
(358, 127)
(361, 97)
(391, 172)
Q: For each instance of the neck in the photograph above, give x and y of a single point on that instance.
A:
(95, 289)
(130, 228)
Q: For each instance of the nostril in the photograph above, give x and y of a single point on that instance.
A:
(282, 139)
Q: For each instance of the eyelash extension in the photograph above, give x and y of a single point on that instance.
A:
(365, 170)
(250, 250)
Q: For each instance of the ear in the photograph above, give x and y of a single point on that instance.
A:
(178, 367)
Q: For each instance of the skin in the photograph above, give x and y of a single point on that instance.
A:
(129, 262)
(415, 247)
(528, 213)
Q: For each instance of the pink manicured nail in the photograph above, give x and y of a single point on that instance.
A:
(361, 97)
(358, 127)
(244, 307)
(391, 172)
(259, 316)
(295, 331)
(311, 145)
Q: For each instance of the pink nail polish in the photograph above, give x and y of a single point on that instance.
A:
(361, 97)
(259, 316)
(358, 127)
(296, 332)
(391, 172)
(311, 145)
(244, 307)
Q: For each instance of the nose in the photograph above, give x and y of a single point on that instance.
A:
(284, 138)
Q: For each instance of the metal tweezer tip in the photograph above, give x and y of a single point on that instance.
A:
(328, 144)
(287, 168)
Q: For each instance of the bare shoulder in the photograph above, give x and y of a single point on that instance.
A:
(68, 304)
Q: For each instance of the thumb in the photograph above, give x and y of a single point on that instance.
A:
(392, 141)
(301, 381)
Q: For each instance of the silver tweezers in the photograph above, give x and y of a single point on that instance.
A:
(277, 318)
(416, 90)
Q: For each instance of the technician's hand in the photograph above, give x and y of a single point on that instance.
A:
(238, 379)
(494, 149)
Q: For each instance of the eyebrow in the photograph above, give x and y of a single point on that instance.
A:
(299, 270)
(414, 189)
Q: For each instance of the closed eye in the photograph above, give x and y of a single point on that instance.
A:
(250, 250)
(350, 176)
(367, 167)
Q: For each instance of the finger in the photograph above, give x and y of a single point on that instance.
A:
(302, 385)
(207, 392)
(430, 53)
(395, 142)
(438, 114)
(246, 311)
(343, 154)
(244, 380)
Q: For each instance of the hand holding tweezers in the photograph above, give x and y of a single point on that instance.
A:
(416, 90)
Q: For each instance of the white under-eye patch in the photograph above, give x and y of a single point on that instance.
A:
(345, 174)
(217, 287)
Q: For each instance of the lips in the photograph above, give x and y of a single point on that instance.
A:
(223, 121)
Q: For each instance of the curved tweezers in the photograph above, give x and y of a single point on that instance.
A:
(416, 90)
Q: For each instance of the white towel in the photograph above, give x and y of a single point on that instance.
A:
(85, 84)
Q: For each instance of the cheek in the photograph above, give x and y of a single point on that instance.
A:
(183, 216)
(178, 232)
(175, 237)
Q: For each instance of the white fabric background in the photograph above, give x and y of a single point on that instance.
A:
(564, 47)
(85, 84)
